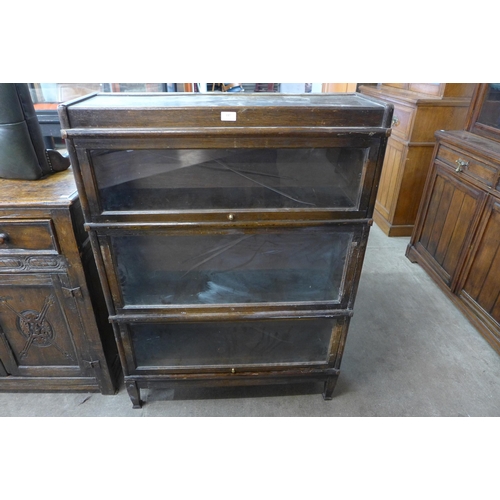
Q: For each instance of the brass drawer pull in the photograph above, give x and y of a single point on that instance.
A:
(4, 237)
(395, 121)
(461, 165)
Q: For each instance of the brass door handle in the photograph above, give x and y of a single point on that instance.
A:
(4, 237)
(461, 165)
(395, 121)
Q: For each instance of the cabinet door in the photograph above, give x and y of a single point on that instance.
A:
(450, 217)
(392, 171)
(401, 186)
(37, 327)
(482, 284)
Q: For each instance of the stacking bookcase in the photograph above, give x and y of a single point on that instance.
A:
(229, 230)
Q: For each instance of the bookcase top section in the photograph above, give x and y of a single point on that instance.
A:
(178, 110)
(176, 100)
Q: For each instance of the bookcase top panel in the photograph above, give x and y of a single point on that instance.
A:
(166, 100)
(177, 110)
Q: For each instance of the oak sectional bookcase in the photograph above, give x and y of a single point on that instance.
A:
(229, 230)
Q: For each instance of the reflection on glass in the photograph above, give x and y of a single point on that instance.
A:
(229, 178)
(293, 265)
(490, 112)
(59, 92)
(232, 344)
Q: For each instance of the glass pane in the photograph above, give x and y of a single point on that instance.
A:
(232, 344)
(232, 266)
(490, 112)
(229, 178)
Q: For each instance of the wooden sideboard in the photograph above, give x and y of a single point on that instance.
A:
(457, 233)
(229, 230)
(419, 110)
(54, 333)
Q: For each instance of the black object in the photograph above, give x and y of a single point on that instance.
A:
(22, 149)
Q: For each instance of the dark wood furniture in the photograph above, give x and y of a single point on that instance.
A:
(419, 110)
(229, 230)
(54, 333)
(457, 233)
(47, 96)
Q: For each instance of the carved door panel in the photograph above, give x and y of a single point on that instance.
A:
(450, 220)
(40, 334)
(481, 284)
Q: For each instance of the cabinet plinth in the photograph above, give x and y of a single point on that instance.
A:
(229, 231)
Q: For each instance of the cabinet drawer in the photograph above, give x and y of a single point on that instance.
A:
(27, 236)
(467, 166)
(402, 121)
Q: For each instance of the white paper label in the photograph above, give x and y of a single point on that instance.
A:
(228, 116)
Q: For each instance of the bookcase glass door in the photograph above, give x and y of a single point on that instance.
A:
(232, 266)
(204, 179)
(232, 343)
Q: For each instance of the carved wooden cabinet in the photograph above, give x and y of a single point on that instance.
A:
(229, 230)
(419, 110)
(54, 334)
(457, 233)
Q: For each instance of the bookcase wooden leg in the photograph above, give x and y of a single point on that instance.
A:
(134, 394)
(330, 386)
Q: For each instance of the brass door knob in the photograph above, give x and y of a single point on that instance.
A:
(395, 121)
(4, 237)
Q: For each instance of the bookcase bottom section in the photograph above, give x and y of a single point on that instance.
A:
(253, 352)
(290, 376)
